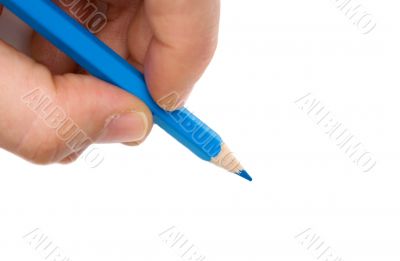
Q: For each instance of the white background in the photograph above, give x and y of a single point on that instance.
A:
(271, 53)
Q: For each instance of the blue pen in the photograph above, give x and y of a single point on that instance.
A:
(101, 61)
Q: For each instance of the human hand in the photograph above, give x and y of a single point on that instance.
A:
(46, 97)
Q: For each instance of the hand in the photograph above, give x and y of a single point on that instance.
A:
(46, 99)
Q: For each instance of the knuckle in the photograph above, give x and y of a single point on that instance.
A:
(41, 145)
(47, 151)
(204, 50)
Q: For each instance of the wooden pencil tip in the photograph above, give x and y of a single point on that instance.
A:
(225, 159)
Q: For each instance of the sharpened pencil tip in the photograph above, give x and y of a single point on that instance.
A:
(226, 160)
(245, 175)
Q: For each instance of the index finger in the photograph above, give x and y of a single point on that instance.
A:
(185, 35)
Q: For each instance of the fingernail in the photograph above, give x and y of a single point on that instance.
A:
(171, 102)
(126, 127)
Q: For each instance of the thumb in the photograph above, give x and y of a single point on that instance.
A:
(46, 118)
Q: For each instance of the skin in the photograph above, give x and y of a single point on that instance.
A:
(171, 42)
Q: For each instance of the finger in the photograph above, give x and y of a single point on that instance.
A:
(140, 35)
(112, 30)
(71, 157)
(47, 54)
(45, 119)
(184, 40)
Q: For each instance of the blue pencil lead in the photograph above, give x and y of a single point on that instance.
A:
(245, 175)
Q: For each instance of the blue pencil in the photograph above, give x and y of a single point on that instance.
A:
(101, 61)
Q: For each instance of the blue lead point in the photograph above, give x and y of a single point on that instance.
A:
(245, 175)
